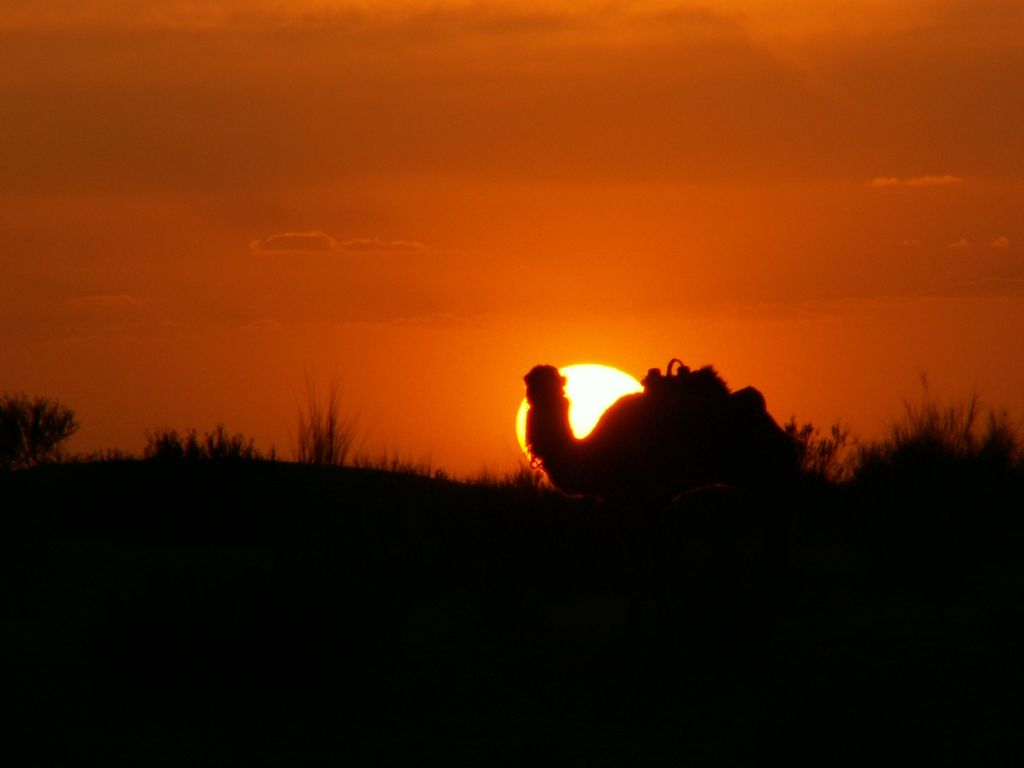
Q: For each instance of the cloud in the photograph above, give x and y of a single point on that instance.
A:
(104, 301)
(294, 242)
(1001, 242)
(911, 242)
(985, 287)
(320, 242)
(375, 244)
(915, 181)
(960, 244)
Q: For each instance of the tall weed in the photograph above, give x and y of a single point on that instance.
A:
(325, 434)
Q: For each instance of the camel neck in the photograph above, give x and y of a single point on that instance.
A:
(551, 441)
(547, 425)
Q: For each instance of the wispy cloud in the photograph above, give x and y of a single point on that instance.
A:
(911, 243)
(104, 301)
(984, 287)
(1001, 242)
(377, 245)
(320, 242)
(294, 242)
(915, 181)
(959, 245)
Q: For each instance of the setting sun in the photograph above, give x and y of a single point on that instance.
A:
(591, 388)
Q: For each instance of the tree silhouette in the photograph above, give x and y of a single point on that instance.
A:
(32, 430)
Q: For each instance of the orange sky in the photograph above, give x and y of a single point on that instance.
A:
(824, 202)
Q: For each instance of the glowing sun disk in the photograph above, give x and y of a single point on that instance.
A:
(591, 388)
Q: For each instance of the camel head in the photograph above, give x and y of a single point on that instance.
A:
(545, 386)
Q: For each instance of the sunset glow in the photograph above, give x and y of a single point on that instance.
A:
(591, 389)
(422, 200)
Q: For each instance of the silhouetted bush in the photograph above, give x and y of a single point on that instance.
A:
(325, 435)
(32, 430)
(933, 439)
(165, 444)
(946, 481)
(822, 456)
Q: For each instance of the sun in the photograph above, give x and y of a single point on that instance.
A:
(591, 388)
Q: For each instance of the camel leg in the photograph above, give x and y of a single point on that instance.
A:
(639, 571)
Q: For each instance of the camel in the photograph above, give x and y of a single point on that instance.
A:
(702, 480)
(685, 431)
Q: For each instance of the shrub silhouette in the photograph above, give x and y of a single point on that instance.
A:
(166, 444)
(947, 480)
(823, 457)
(935, 446)
(32, 430)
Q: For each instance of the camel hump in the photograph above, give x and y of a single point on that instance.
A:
(749, 399)
(680, 381)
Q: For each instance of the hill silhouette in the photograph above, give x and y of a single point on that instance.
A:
(280, 614)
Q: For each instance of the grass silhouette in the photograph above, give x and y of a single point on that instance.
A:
(166, 444)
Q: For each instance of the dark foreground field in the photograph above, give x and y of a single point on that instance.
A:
(274, 614)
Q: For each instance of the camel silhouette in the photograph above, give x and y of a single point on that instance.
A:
(702, 481)
(686, 430)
